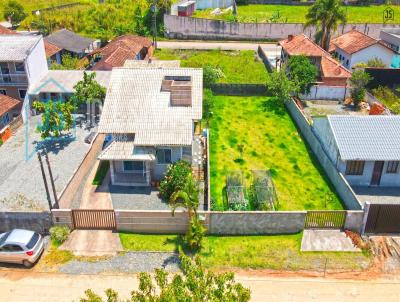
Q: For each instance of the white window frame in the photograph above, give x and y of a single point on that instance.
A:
(392, 163)
(19, 93)
(157, 162)
(19, 71)
(133, 171)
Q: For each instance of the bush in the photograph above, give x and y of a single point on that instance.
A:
(1, 142)
(211, 75)
(195, 234)
(59, 234)
(174, 179)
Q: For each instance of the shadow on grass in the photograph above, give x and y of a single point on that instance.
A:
(273, 105)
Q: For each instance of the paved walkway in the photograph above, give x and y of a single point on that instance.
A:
(326, 241)
(378, 194)
(44, 287)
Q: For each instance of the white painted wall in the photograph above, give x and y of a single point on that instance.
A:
(36, 63)
(205, 4)
(322, 130)
(158, 170)
(320, 92)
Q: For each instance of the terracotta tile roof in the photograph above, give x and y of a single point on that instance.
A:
(302, 45)
(352, 42)
(122, 48)
(331, 68)
(6, 31)
(7, 103)
(51, 49)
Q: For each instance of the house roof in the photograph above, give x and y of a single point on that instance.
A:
(63, 81)
(352, 42)
(120, 49)
(15, 48)
(152, 63)
(366, 137)
(135, 104)
(51, 49)
(331, 68)
(5, 31)
(302, 45)
(7, 103)
(126, 150)
(68, 40)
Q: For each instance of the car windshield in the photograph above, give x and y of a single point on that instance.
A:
(4, 237)
(33, 241)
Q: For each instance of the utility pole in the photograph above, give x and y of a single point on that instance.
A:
(45, 181)
(56, 206)
(154, 9)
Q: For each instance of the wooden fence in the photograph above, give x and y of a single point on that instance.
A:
(93, 219)
(325, 220)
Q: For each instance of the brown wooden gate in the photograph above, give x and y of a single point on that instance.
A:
(325, 220)
(93, 219)
(383, 218)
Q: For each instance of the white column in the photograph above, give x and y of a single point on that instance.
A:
(112, 172)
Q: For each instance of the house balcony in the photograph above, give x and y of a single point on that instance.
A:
(13, 79)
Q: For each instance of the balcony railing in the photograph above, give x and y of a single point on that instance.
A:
(13, 78)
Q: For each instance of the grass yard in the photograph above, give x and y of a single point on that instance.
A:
(280, 252)
(271, 142)
(30, 5)
(101, 172)
(238, 66)
(296, 14)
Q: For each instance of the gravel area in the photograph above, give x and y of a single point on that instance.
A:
(129, 262)
(136, 198)
(20, 178)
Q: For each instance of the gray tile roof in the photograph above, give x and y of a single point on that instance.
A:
(136, 104)
(366, 137)
(15, 48)
(69, 40)
(152, 63)
(63, 81)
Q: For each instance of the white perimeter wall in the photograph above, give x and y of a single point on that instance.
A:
(326, 93)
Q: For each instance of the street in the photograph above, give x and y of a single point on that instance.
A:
(37, 287)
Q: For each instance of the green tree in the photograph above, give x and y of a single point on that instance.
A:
(68, 62)
(175, 178)
(279, 85)
(14, 12)
(140, 27)
(56, 117)
(376, 62)
(359, 80)
(325, 15)
(211, 75)
(88, 90)
(195, 284)
(302, 72)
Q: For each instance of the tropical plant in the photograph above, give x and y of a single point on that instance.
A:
(195, 284)
(175, 178)
(302, 72)
(376, 62)
(14, 12)
(359, 80)
(388, 98)
(56, 117)
(279, 85)
(211, 75)
(88, 90)
(325, 15)
(68, 62)
(59, 234)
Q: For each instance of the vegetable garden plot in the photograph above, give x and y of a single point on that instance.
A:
(235, 187)
(265, 193)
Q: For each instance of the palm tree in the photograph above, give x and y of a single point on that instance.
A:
(187, 198)
(325, 15)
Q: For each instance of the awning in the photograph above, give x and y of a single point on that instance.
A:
(126, 150)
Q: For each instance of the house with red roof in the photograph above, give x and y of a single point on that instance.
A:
(120, 49)
(9, 109)
(356, 47)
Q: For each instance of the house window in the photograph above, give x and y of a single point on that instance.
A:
(20, 67)
(355, 167)
(392, 167)
(3, 91)
(163, 156)
(133, 166)
(22, 93)
(347, 63)
(6, 119)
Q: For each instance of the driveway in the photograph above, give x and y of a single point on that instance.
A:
(43, 287)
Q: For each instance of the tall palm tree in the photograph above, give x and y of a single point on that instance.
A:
(325, 15)
(187, 198)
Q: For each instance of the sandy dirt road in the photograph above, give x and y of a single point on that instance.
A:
(24, 286)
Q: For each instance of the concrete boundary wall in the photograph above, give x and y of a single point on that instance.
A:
(39, 222)
(341, 185)
(205, 29)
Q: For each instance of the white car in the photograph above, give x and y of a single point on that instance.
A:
(21, 247)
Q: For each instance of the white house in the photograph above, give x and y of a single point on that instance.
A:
(151, 114)
(391, 37)
(356, 47)
(366, 149)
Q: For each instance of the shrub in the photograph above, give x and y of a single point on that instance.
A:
(359, 80)
(59, 234)
(1, 142)
(195, 234)
(211, 75)
(174, 179)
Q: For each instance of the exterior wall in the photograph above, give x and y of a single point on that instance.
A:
(13, 91)
(342, 187)
(158, 170)
(323, 132)
(322, 92)
(392, 40)
(36, 221)
(254, 223)
(205, 4)
(36, 63)
(354, 221)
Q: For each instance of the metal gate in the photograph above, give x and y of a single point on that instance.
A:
(383, 218)
(325, 220)
(93, 219)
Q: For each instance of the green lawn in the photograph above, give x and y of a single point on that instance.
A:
(101, 172)
(296, 14)
(30, 5)
(256, 252)
(271, 142)
(238, 66)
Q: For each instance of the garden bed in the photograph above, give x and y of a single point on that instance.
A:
(257, 133)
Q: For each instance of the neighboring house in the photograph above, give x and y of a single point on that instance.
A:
(5, 31)
(151, 115)
(365, 149)
(53, 53)
(356, 47)
(22, 63)
(9, 109)
(120, 49)
(70, 42)
(332, 76)
(391, 38)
